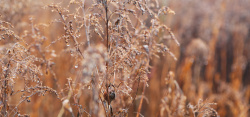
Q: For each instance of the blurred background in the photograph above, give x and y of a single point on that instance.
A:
(214, 53)
(213, 59)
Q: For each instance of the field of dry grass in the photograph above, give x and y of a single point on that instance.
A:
(116, 58)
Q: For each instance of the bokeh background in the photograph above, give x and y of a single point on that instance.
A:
(213, 59)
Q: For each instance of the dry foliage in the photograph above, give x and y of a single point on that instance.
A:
(118, 58)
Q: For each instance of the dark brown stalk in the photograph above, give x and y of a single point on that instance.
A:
(105, 4)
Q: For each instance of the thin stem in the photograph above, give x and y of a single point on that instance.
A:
(141, 101)
(107, 63)
(4, 99)
(85, 24)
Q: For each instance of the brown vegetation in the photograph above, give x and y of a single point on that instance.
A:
(120, 58)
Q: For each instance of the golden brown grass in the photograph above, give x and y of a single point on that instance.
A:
(120, 58)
